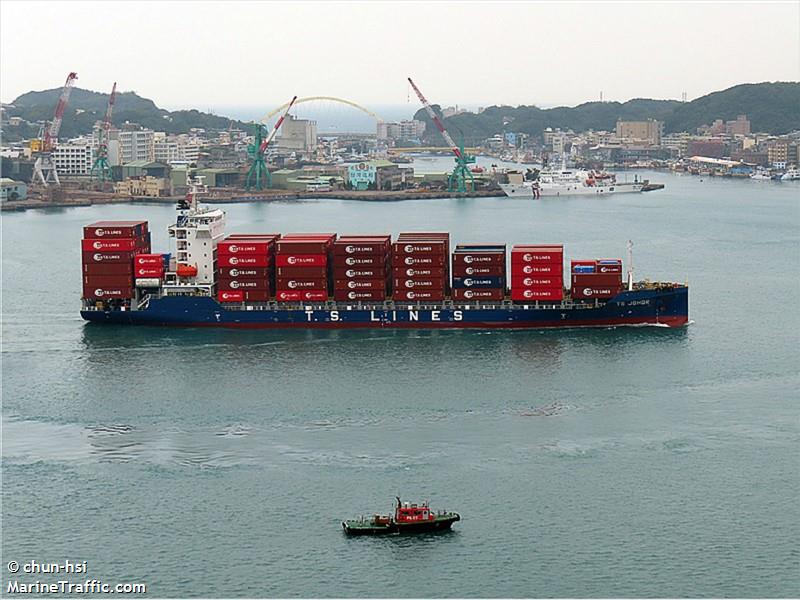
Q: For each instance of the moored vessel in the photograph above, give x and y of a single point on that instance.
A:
(408, 518)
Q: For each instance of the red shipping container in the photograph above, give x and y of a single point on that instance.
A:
(359, 284)
(110, 281)
(302, 246)
(115, 229)
(149, 272)
(107, 293)
(149, 260)
(419, 284)
(244, 247)
(252, 236)
(300, 296)
(596, 279)
(245, 272)
(301, 260)
(359, 295)
(318, 272)
(479, 258)
(422, 272)
(244, 284)
(359, 272)
(108, 268)
(112, 245)
(107, 257)
(609, 268)
(376, 260)
(536, 282)
(359, 248)
(230, 296)
(416, 248)
(301, 283)
(589, 292)
(242, 296)
(489, 294)
(477, 271)
(427, 260)
(554, 269)
(536, 255)
(418, 295)
(247, 260)
(525, 295)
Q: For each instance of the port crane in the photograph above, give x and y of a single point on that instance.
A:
(258, 176)
(461, 179)
(101, 168)
(44, 169)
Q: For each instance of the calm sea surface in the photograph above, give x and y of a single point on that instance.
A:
(220, 463)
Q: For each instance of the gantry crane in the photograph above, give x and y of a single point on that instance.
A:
(101, 169)
(457, 181)
(258, 176)
(44, 169)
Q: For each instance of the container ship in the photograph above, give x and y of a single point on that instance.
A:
(328, 281)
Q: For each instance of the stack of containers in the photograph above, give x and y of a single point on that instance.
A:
(420, 265)
(479, 273)
(108, 249)
(148, 269)
(596, 278)
(537, 273)
(303, 263)
(361, 268)
(246, 267)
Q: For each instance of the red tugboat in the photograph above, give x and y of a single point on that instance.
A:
(408, 518)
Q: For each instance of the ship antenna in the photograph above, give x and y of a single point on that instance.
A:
(630, 265)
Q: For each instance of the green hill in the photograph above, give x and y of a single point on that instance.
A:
(86, 107)
(771, 107)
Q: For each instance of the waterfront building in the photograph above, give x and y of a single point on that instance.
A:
(708, 147)
(143, 186)
(297, 135)
(676, 143)
(136, 143)
(12, 190)
(741, 126)
(778, 153)
(75, 157)
(404, 130)
(649, 131)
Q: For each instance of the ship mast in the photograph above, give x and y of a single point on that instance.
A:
(630, 265)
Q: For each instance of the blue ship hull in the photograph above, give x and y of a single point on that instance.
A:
(668, 306)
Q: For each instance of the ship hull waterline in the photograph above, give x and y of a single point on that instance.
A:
(664, 308)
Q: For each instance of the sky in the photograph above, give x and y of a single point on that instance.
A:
(214, 54)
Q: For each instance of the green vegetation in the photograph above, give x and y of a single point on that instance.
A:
(771, 107)
(87, 107)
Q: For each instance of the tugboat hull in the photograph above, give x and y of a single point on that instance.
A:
(440, 523)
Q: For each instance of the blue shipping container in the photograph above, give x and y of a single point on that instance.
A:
(479, 282)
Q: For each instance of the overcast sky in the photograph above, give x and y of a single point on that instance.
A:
(211, 54)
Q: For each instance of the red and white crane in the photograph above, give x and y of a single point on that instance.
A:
(461, 178)
(436, 121)
(265, 144)
(44, 169)
(51, 135)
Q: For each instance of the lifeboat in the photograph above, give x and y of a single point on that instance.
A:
(186, 271)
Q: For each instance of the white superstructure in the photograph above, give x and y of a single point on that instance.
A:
(196, 232)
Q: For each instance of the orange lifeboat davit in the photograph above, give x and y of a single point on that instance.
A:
(186, 271)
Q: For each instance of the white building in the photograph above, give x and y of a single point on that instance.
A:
(137, 145)
(74, 158)
(404, 130)
(297, 135)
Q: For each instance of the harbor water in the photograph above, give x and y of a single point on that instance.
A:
(585, 463)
